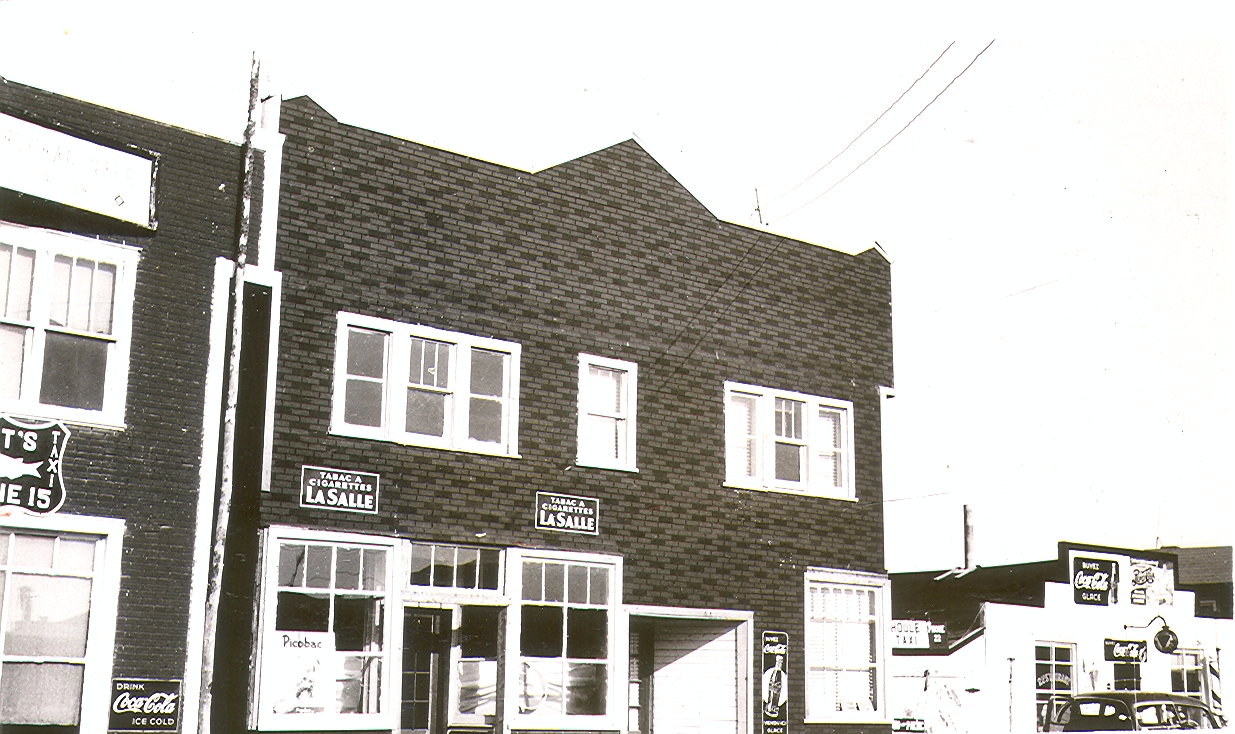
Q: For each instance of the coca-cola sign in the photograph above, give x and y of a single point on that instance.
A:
(1125, 651)
(775, 682)
(1095, 581)
(139, 705)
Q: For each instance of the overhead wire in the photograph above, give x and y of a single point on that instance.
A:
(868, 127)
(894, 137)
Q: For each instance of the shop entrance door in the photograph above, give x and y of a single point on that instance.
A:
(426, 656)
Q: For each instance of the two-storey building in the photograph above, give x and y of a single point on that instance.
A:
(553, 451)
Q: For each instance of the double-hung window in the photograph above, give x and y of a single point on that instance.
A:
(65, 317)
(424, 386)
(607, 392)
(326, 640)
(1054, 679)
(845, 646)
(788, 441)
(564, 641)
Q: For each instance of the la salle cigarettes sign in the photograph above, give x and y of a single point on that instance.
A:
(566, 513)
(338, 489)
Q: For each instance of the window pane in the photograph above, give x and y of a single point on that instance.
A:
(444, 565)
(426, 413)
(347, 568)
(422, 570)
(430, 363)
(600, 585)
(102, 298)
(374, 570)
(33, 551)
(577, 584)
(603, 391)
(478, 632)
(789, 462)
(362, 403)
(62, 273)
(465, 569)
(789, 418)
(16, 280)
(366, 353)
(585, 688)
(73, 371)
(41, 693)
(587, 633)
(485, 420)
(291, 565)
(488, 371)
(47, 615)
(302, 612)
(75, 555)
(79, 295)
(533, 575)
(357, 623)
(12, 357)
(555, 582)
(601, 437)
(829, 429)
(829, 470)
(317, 573)
(540, 633)
(360, 685)
(743, 444)
(490, 564)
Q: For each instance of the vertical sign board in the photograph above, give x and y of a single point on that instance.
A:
(139, 705)
(31, 453)
(338, 489)
(775, 682)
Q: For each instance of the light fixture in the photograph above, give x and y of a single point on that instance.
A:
(1165, 639)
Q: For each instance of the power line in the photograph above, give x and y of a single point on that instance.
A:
(894, 137)
(868, 127)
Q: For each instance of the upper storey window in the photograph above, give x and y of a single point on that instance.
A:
(607, 393)
(424, 386)
(65, 318)
(787, 441)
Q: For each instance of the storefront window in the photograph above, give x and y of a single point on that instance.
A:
(1187, 673)
(565, 642)
(1054, 679)
(326, 648)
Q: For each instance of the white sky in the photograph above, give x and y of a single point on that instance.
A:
(1057, 218)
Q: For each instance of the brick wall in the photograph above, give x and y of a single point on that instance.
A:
(147, 473)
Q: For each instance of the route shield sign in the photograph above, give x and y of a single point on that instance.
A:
(31, 453)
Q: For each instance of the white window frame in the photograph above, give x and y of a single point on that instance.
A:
(863, 581)
(261, 714)
(1046, 695)
(765, 438)
(104, 595)
(628, 393)
(395, 386)
(48, 244)
(615, 714)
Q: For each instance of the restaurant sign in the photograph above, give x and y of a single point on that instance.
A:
(338, 489)
(31, 453)
(1095, 581)
(567, 513)
(1125, 651)
(139, 705)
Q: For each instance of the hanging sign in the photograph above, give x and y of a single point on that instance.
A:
(567, 513)
(1095, 581)
(1166, 640)
(338, 489)
(51, 165)
(139, 705)
(31, 453)
(1125, 651)
(775, 682)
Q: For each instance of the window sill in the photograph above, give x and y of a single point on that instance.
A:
(72, 416)
(612, 467)
(794, 492)
(477, 450)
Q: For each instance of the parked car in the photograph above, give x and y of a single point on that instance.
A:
(1132, 711)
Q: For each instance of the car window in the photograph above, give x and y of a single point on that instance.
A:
(1197, 717)
(1090, 715)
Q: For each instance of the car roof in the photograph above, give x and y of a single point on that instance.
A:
(1137, 697)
